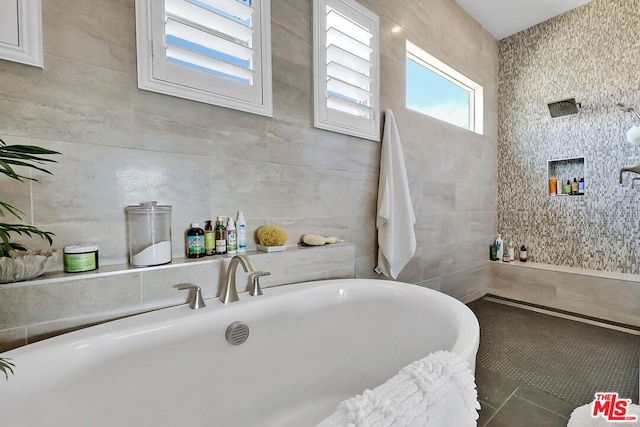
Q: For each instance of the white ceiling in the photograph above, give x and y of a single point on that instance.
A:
(503, 18)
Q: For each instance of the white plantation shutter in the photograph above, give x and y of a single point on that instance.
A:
(346, 68)
(213, 51)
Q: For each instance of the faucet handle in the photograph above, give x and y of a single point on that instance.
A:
(255, 279)
(196, 300)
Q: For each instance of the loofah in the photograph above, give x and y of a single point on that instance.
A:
(317, 240)
(271, 235)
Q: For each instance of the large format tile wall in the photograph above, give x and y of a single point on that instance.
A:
(591, 53)
(121, 145)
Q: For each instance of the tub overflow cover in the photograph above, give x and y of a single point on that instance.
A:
(237, 333)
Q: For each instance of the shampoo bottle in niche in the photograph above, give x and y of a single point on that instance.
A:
(581, 186)
(221, 236)
(209, 239)
(512, 251)
(241, 232)
(195, 241)
(500, 244)
(574, 187)
(232, 242)
(567, 187)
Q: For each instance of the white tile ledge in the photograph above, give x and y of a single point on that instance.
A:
(112, 270)
(570, 270)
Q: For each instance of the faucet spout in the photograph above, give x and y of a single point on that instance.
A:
(634, 169)
(229, 291)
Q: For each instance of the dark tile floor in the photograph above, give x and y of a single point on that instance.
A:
(510, 391)
(511, 403)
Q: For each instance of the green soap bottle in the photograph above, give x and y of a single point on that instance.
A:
(221, 236)
(209, 239)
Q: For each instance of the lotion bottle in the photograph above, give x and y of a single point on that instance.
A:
(232, 241)
(242, 233)
(500, 244)
(512, 251)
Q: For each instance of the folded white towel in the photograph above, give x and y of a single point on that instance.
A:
(437, 391)
(395, 218)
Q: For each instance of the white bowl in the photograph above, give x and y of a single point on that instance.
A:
(25, 265)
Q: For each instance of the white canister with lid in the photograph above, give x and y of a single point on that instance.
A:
(149, 228)
(80, 258)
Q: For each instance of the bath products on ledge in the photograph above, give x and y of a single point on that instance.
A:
(209, 239)
(493, 252)
(80, 258)
(221, 236)
(553, 185)
(574, 187)
(523, 253)
(511, 251)
(581, 186)
(567, 187)
(242, 233)
(500, 249)
(195, 241)
(232, 242)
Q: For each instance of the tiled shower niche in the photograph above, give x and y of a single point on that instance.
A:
(565, 170)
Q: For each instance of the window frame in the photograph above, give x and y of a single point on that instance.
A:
(333, 120)
(29, 48)
(203, 88)
(476, 91)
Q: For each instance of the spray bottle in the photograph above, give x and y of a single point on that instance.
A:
(242, 233)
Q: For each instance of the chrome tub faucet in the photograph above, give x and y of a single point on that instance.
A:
(229, 291)
(256, 290)
(195, 301)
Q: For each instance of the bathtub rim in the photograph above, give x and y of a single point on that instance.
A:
(465, 345)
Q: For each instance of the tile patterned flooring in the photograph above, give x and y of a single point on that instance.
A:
(510, 397)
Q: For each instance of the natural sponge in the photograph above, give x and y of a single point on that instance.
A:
(271, 235)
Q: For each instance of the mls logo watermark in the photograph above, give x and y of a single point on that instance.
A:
(613, 409)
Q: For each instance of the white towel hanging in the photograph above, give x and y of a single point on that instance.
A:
(395, 218)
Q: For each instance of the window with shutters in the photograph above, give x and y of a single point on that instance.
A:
(438, 90)
(212, 51)
(21, 31)
(346, 68)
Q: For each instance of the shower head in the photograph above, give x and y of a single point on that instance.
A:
(627, 109)
(564, 107)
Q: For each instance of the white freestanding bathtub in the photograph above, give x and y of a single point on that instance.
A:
(310, 346)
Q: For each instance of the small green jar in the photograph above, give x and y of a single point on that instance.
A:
(80, 258)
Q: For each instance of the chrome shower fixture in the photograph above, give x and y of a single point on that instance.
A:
(564, 107)
(627, 109)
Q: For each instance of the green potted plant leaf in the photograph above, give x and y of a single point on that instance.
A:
(12, 156)
(6, 367)
(16, 261)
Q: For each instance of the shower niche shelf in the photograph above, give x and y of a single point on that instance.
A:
(564, 170)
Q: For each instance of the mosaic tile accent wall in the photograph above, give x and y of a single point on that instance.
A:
(593, 54)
